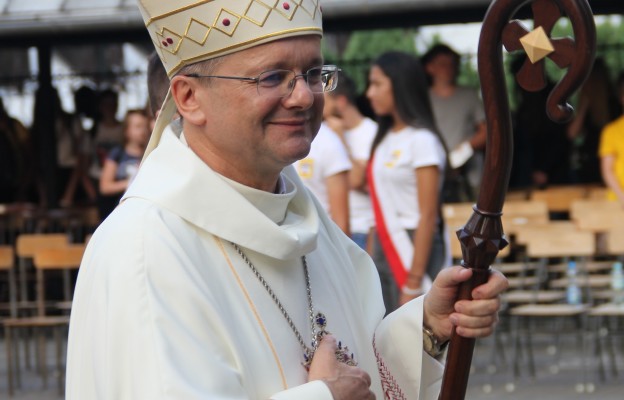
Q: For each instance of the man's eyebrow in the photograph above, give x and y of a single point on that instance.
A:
(284, 64)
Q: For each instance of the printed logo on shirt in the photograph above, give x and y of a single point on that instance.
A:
(396, 155)
(305, 168)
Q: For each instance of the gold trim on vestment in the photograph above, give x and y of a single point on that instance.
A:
(254, 310)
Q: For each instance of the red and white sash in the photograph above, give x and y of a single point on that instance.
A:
(397, 246)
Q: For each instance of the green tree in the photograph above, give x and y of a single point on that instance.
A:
(364, 46)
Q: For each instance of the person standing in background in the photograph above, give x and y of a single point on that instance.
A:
(325, 171)
(541, 146)
(611, 152)
(357, 133)
(84, 104)
(460, 118)
(15, 173)
(122, 162)
(597, 106)
(406, 175)
(107, 133)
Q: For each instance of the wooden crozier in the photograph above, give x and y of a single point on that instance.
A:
(482, 236)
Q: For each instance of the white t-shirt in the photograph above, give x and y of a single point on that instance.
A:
(457, 117)
(396, 158)
(327, 157)
(359, 140)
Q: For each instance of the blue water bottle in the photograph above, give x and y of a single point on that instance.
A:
(573, 292)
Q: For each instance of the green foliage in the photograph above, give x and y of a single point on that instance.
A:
(369, 44)
(468, 74)
(365, 46)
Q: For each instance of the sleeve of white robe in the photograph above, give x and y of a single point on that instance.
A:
(399, 348)
(397, 340)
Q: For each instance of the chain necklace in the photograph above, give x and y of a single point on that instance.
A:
(342, 353)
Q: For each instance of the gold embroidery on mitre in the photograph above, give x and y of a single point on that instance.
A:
(197, 31)
(258, 12)
(187, 31)
(168, 41)
(226, 15)
(314, 5)
(287, 9)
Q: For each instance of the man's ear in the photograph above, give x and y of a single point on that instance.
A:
(185, 92)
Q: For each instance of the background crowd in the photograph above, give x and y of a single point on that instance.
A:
(97, 155)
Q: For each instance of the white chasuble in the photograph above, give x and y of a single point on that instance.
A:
(165, 307)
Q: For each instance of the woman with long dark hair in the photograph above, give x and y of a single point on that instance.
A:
(406, 173)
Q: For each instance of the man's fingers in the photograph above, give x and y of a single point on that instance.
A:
(324, 362)
(478, 308)
(468, 326)
(467, 321)
(452, 276)
(496, 284)
(328, 343)
(327, 348)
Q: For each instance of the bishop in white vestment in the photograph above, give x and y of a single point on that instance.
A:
(165, 307)
(199, 287)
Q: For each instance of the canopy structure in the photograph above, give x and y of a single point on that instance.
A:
(73, 21)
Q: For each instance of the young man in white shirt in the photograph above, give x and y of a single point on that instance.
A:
(357, 133)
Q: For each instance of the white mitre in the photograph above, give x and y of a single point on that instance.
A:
(189, 31)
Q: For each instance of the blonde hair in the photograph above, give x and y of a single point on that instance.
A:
(133, 111)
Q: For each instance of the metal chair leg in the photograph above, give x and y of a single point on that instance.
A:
(599, 348)
(9, 352)
(59, 356)
(612, 327)
(41, 357)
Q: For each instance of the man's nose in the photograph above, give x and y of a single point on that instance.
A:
(301, 92)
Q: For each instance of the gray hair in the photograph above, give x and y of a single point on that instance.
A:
(206, 67)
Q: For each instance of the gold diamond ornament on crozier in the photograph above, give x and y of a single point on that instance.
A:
(537, 44)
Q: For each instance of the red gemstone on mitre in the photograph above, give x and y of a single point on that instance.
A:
(286, 6)
(164, 42)
(226, 22)
(169, 40)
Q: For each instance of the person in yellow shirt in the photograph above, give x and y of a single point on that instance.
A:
(611, 152)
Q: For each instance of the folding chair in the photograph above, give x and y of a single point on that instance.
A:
(7, 264)
(560, 198)
(26, 246)
(68, 257)
(571, 244)
(597, 192)
(524, 213)
(604, 326)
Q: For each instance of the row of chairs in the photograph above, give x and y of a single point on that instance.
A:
(41, 253)
(593, 237)
(528, 224)
(558, 198)
(19, 218)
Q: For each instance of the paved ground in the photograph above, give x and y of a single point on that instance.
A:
(559, 374)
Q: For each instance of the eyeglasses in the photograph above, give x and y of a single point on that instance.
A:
(281, 82)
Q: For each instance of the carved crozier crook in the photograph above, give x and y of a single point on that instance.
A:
(482, 236)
